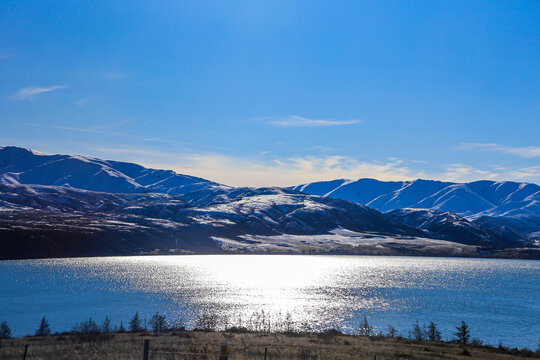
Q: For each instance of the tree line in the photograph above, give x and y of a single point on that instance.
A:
(257, 322)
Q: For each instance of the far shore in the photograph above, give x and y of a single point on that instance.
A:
(508, 254)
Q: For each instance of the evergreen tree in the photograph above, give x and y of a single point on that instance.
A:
(5, 331)
(433, 334)
(106, 325)
(44, 328)
(463, 333)
(418, 332)
(135, 324)
(121, 329)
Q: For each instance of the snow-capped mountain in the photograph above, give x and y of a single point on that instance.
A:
(61, 205)
(24, 166)
(471, 200)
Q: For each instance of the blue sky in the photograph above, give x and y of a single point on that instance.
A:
(278, 92)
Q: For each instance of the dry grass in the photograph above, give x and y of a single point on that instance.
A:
(205, 345)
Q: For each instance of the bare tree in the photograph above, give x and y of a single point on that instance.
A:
(158, 323)
(365, 329)
(391, 332)
(206, 320)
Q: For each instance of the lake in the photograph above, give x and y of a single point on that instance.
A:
(498, 299)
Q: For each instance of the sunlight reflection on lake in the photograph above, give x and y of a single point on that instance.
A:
(493, 296)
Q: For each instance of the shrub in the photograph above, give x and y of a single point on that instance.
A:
(476, 342)
(87, 327)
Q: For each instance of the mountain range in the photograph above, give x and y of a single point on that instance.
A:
(507, 208)
(62, 205)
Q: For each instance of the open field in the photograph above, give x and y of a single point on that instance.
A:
(242, 346)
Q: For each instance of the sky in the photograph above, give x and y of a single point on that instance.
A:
(260, 93)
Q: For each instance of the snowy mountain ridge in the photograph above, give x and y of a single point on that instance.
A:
(471, 200)
(25, 166)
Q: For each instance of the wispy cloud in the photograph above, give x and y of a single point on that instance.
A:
(97, 129)
(114, 75)
(29, 92)
(524, 151)
(299, 121)
(84, 101)
(465, 173)
(264, 170)
(529, 172)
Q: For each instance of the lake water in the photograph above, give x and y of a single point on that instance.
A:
(499, 299)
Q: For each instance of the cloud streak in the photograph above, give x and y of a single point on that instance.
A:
(524, 152)
(269, 170)
(28, 93)
(299, 121)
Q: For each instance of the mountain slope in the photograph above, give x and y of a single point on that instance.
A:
(58, 221)
(449, 226)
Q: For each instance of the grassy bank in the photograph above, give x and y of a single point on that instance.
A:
(243, 346)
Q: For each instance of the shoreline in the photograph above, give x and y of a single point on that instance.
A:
(534, 256)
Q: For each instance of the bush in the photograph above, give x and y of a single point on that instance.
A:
(5, 331)
(476, 342)
(87, 327)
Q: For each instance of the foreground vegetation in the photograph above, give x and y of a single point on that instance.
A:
(250, 339)
(242, 346)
